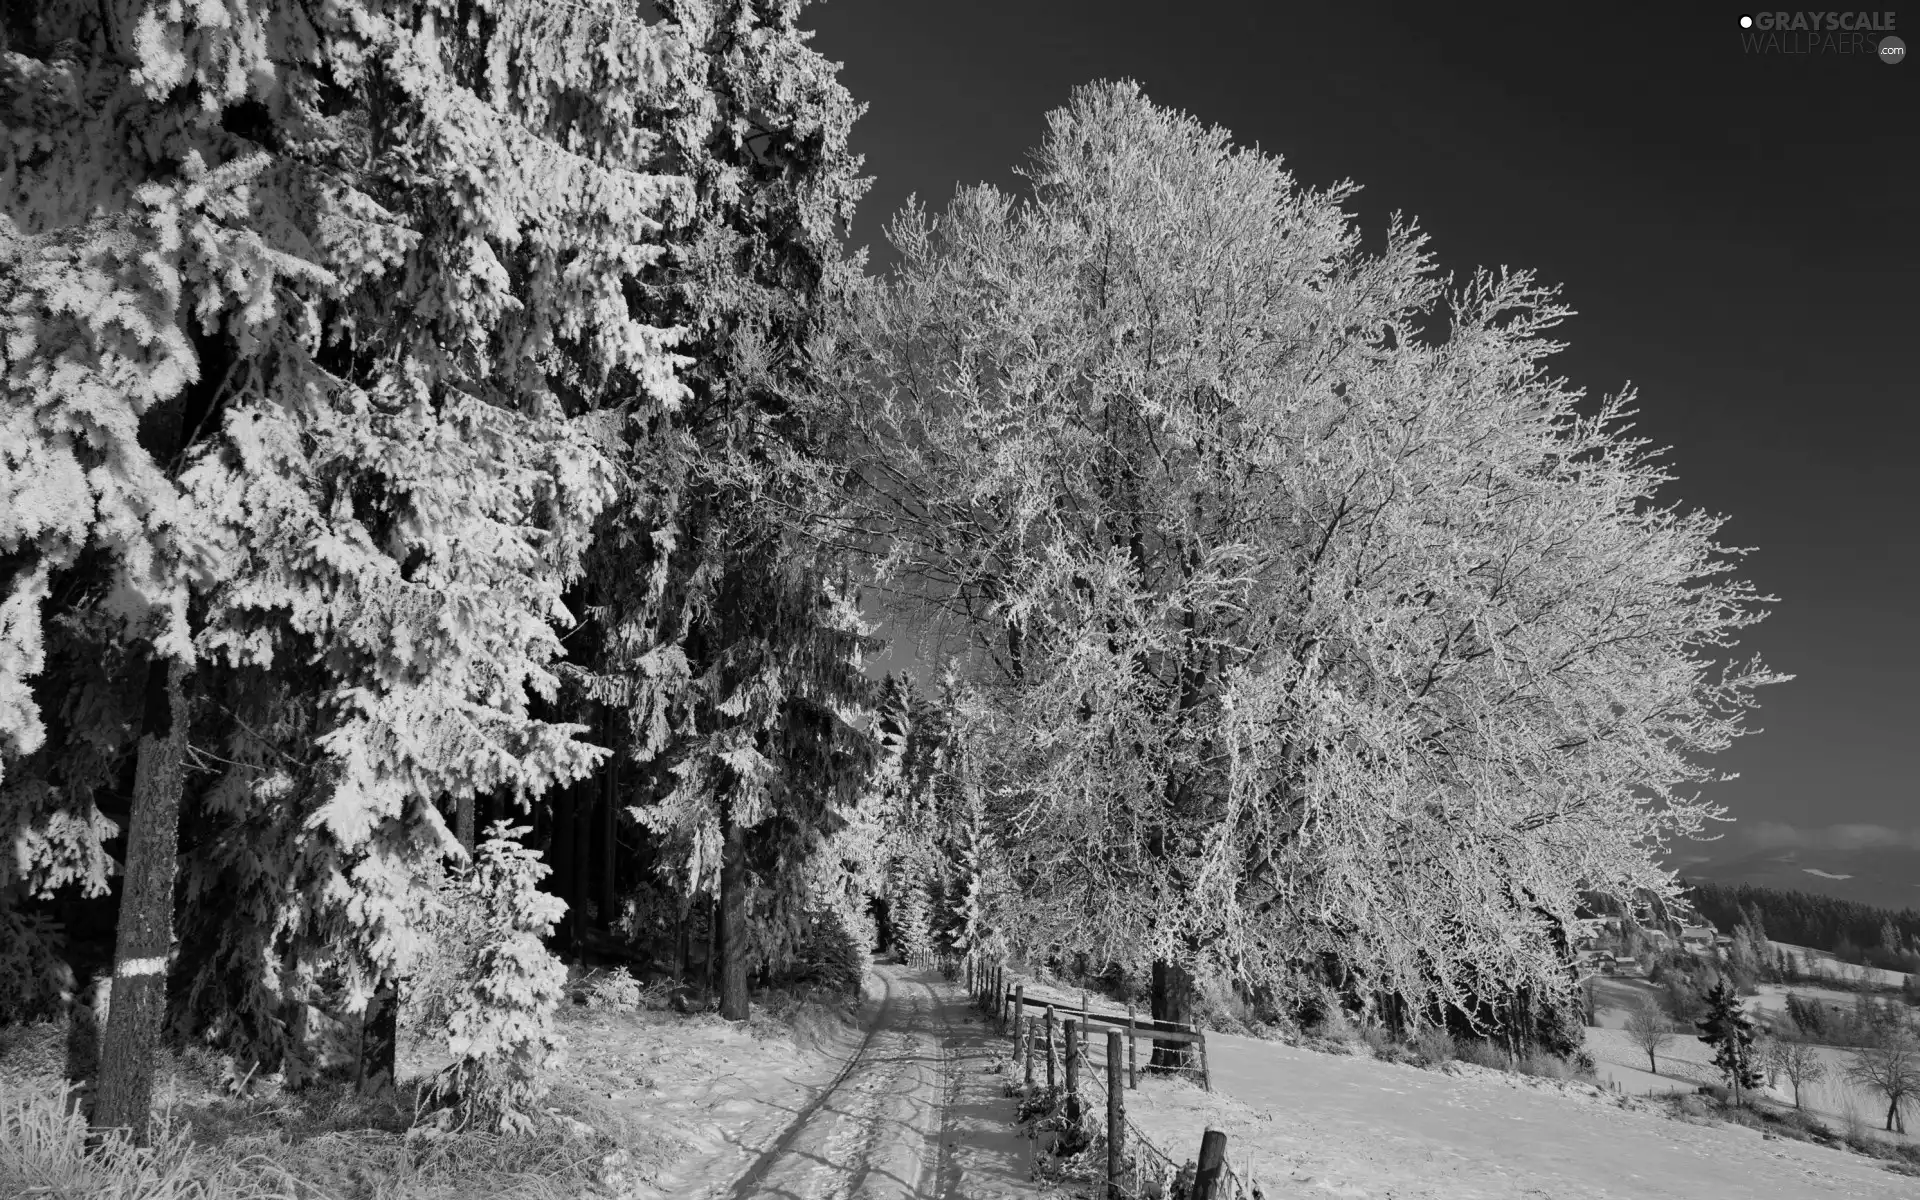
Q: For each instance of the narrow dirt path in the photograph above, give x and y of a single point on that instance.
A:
(917, 1112)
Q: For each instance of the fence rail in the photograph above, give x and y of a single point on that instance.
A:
(1135, 1168)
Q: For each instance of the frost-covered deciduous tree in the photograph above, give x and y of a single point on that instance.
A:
(1315, 624)
(1650, 1029)
(321, 332)
(1890, 1067)
(1801, 1063)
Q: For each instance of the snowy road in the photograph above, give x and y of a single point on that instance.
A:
(914, 1113)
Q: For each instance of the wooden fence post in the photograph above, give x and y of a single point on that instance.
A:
(1019, 1001)
(1073, 1070)
(969, 974)
(1023, 1045)
(1206, 1076)
(1116, 1118)
(1133, 1053)
(1051, 1085)
(1022, 1051)
(1212, 1167)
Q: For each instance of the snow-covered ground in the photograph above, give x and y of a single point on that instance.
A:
(906, 1102)
(1772, 997)
(695, 1099)
(1687, 1062)
(1306, 1124)
(1820, 962)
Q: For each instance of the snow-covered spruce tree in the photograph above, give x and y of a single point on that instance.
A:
(1305, 643)
(131, 229)
(500, 1023)
(730, 633)
(335, 304)
(1729, 1030)
(496, 369)
(938, 833)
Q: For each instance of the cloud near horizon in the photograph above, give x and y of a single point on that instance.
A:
(1779, 835)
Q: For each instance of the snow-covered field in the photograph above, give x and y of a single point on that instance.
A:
(1772, 997)
(1306, 1124)
(1688, 1062)
(1820, 962)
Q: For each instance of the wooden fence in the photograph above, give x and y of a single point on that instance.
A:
(1056, 1035)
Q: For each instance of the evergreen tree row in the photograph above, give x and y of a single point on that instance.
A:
(410, 421)
(1849, 930)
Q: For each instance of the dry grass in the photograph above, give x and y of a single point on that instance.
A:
(1903, 1157)
(323, 1143)
(322, 1146)
(45, 1153)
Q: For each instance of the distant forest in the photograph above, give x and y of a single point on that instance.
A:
(1847, 929)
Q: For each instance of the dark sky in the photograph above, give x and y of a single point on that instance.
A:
(1735, 230)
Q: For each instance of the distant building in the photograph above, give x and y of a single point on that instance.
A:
(1625, 966)
(1697, 937)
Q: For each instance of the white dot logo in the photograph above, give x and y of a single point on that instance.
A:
(1892, 50)
(1746, 22)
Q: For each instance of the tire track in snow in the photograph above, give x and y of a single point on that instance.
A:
(751, 1184)
(867, 1134)
(913, 1115)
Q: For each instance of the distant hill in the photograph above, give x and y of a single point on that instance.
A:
(1884, 877)
(1847, 928)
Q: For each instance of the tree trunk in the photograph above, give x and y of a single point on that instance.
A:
(713, 944)
(584, 827)
(733, 924)
(1173, 996)
(463, 823)
(608, 891)
(123, 1096)
(684, 945)
(295, 1069)
(560, 857)
(379, 1042)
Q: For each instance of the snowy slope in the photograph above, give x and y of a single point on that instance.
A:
(1313, 1125)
